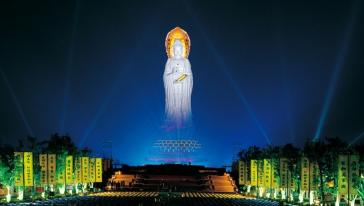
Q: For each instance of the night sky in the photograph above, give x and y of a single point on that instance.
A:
(264, 72)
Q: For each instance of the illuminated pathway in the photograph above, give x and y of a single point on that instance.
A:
(156, 198)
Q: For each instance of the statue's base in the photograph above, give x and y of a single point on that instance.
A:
(175, 151)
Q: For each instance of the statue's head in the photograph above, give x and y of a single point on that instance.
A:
(177, 49)
(177, 36)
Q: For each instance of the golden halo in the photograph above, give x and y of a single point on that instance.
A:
(177, 33)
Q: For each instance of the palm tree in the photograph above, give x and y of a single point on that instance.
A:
(253, 152)
(292, 155)
(315, 152)
(32, 141)
(58, 144)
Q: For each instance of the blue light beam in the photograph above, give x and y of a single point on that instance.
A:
(112, 91)
(103, 106)
(70, 57)
(227, 74)
(356, 139)
(340, 60)
(17, 104)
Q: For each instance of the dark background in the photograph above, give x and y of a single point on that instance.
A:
(264, 72)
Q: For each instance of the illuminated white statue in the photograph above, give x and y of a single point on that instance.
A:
(178, 79)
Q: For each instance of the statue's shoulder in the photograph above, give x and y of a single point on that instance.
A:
(181, 60)
(187, 62)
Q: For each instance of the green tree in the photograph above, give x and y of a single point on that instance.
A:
(315, 151)
(58, 144)
(325, 153)
(292, 154)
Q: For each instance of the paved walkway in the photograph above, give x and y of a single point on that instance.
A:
(154, 199)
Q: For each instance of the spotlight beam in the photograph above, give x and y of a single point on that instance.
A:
(16, 102)
(114, 87)
(112, 91)
(227, 74)
(356, 139)
(103, 106)
(340, 60)
(70, 57)
(279, 36)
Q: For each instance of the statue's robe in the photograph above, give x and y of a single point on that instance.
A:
(178, 83)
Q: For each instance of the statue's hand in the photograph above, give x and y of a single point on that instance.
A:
(174, 71)
(180, 78)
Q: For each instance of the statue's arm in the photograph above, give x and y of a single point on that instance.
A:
(186, 74)
(188, 70)
(168, 69)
